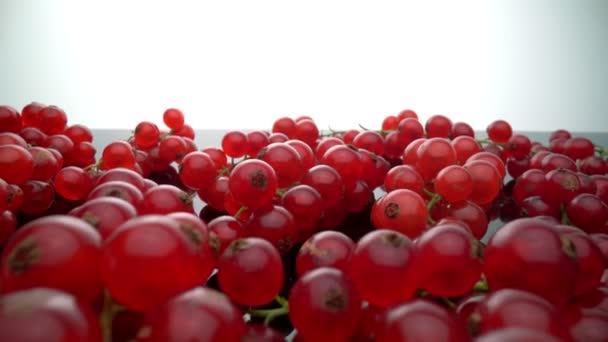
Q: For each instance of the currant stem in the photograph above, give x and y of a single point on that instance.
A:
(481, 286)
(271, 314)
(601, 150)
(239, 212)
(564, 216)
(434, 199)
(110, 308)
(490, 142)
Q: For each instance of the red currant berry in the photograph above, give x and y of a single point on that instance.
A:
(325, 249)
(174, 119)
(401, 210)
(253, 183)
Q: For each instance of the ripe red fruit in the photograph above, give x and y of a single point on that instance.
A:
(262, 333)
(433, 155)
(225, 229)
(326, 180)
(516, 335)
(122, 174)
(16, 164)
(420, 320)
(178, 319)
(105, 214)
(146, 135)
(42, 314)
(325, 249)
(150, 259)
(529, 254)
(119, 189)
(454, 183)
(383, 268)
(510, 308)
(79, 133)
(499, 131)
(174, 119)
(448, 261)
(73, 183)
(10, 120)
(347, 162)
(401, 210)
(461, 129)
(306, 206)
(407, 113)
(8, 224)
(253, 183)
(250, 271)
(465, 147)
(486, 181)
(371, 141)
(285, 161)
(37, 255)
(324, 305)
(52, 120)
(172, 148)
(235, 144)
(275, 224)
(438, 126)
(37, 198)
(587, 212)
(307, 155)
(197, 170)
(118, 154)
(166, 199)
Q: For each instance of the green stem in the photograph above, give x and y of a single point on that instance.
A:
(448, 303)
(601, 150)
(271, 314)
(434, 199)
(564, 216)
(110, 308)
(481, 286)
(239, 212)
(490, 142)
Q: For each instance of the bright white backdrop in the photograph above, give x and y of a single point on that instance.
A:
(541, 64)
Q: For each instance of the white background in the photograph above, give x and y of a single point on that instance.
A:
(541, 64)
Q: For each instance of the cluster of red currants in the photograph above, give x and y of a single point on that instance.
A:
(357, 235)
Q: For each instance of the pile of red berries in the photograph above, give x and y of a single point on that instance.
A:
(358, 235)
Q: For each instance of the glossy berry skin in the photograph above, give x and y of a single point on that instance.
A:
(433, 155)
(420, 320)
(328, 182)
(197, 170)
(438, 126)
(509, 308)
(454, 183)
(242, 267)
(178, 319)
(589, 258)
(43, 314)
(173, 118)
(37, 198)
(118, 154)
(528, 254)
(486, 181)
(10, 120)
(105, 214)
(587, 212)
(16, 164)
(499, 131)
(346, 161)
(325, 249)
(146, 135)
(8, 224)
(401, 210)
(371, 141)
(262, 333)
(253, 183)
(234, 144)
(449, 261)
(45, 164)
(73, 183)
(284, 125)
(166, 199)
(225, 229)
(516, 335)
(285, 161)
(383, 268)
(306, 206)
(404, 177)
(122, 174)
(56, 251)
(149, 259)
(275, 224)
(119, 189)
(324, 305)
(52, 120)
(465, 147)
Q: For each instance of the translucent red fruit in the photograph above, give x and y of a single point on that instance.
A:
(433, 155)
(383, 268)
(122, 174)
(306, 206)
(325, 249)
(73, 183)
(146, 135)
(150, 259)
(404, 177)
(579, 148)
(454, 183)
(178, 319)
(165, 199)
(10, 120)
(328, 182)
(324, 305)
(253, 183)
(510, 308)
(16, 164)
(486, 181)
(529, 254)
(60, 252)
(118, 154)
(346, 161)
(275, 224)
(197, 170)
(250, 271)
(499, 131)
(285, 161)
(43, 314)
(438, 126)
(420, 320)
(234, 144)
(516, 335)
(589, 257)
(401, 210)
(448, 261)
(174, 119)
(587, 212)
(104, 214)
(225, 229)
